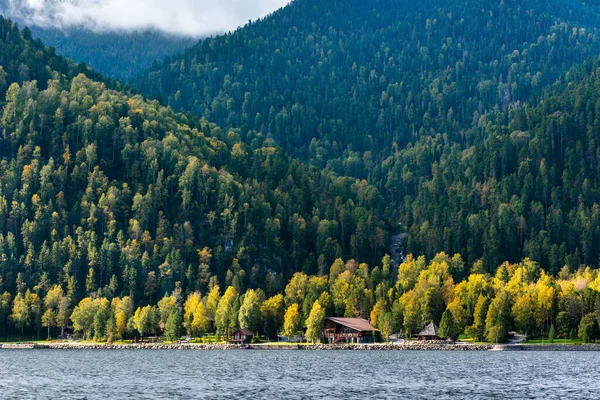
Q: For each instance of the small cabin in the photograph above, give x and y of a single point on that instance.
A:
(242, 336)
(348, 330)
(430, 332)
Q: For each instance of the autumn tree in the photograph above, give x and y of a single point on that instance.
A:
(315, 323)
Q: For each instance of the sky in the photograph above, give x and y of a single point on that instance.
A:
(194, 18)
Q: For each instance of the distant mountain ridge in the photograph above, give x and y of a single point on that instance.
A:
(117, 55)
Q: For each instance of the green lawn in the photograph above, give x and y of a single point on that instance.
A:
(556, 341)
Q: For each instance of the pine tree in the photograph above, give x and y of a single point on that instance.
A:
(448, 326)
(173, 326)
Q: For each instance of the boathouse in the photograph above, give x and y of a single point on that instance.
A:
(348, 330)
(429, 333)
(242, 336)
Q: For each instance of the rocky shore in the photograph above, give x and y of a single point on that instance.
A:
(191, 346)
(132, 346)
(422, 346)
(403, 346)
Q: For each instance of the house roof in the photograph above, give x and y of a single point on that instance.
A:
(430, 330)
(358, 324)
(244, 331)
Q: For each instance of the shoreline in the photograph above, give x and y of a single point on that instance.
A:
(307, 347)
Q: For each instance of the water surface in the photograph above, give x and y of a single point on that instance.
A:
(256, 374)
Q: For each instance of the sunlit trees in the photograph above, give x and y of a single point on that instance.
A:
(315, 322)
(272, 313)
(226, 313)
(291, 320)
(146, 319)
(200, 323)
(83, 316)
(477, 330)
(249, 313)
(52, 304)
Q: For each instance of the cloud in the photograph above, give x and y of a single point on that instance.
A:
(180, 17)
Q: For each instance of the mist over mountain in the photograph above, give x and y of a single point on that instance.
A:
(191, 18)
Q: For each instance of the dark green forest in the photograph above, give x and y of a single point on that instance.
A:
(439, 105)
(94, 181)
(259, 160)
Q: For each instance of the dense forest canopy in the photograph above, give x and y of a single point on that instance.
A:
(311, 137)
(94, 181)
(435, 103)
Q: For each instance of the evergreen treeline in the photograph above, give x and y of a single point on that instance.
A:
(435, 103)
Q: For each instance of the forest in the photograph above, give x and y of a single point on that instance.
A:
(443, 106)
(211, 195)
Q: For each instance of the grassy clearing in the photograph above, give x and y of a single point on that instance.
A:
(556, 341)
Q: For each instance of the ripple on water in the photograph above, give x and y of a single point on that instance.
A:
(108, 374)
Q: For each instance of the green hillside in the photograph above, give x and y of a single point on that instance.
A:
(96, 183)
(431, 102)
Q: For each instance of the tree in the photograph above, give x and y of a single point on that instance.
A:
(226, 314)
(448, 327)
(200, 323)
(249, 315)
(477, 330)
(101, 319)
(49, 320)
(189, 309)
(173, 326)
(83, 316)
(562, 323)
(271, 312)
(551, 333)
(212, 302)
(315, 323)
(146, 319)
(20, 313)
(5, 307)
(291, 320)
(588, 328)
(497, 321)
(64, 314)
(52, 302)
(167, 306)
(121, 324)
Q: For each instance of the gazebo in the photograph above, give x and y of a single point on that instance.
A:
(430, 332)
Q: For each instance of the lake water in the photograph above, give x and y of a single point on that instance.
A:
(187, 374)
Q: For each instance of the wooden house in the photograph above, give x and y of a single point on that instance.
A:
(348, 330)
(430, 332)
(242, 336)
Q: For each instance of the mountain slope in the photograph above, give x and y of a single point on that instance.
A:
(99, 188)
(424, 100)
(361, 76)
(121, 55)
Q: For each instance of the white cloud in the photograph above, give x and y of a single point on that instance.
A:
(182, 17)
